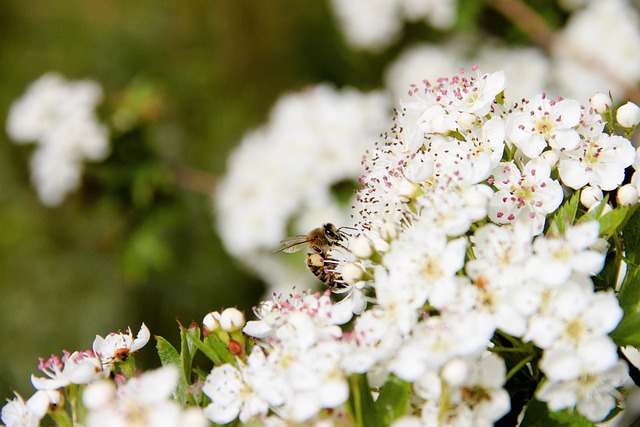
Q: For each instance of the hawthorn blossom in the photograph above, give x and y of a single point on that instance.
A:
(140, 401)
(597, 162)
(20, 413)
(116, 347)
(467, 391)
(79, 367)
(555, 259)
(593, 394)
(528, 195)
(543, 122)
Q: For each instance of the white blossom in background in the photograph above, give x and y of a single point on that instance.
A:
(375, 25)
(59, 116)
(589, 57)
(282, 173)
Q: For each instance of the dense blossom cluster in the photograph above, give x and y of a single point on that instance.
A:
(456, 157)
(313, 140)
(60, 117)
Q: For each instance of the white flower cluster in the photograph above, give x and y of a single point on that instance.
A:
(139, 401)
(374, 25)
(456, 157)
(60, 117)
(282, 173)
(293, 371)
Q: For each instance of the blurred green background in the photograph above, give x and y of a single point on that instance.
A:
(114, 253)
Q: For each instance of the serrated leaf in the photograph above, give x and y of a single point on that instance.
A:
(169, 356)
(565, 216)
(628, 331)
(393, 400)
(538, 415)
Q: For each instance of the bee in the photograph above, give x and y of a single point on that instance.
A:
(320, 240)
(323, 268)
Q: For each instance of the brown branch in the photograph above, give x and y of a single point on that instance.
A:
(195, 180)
(537, 29)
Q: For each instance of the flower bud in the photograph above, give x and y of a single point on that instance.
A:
(361, 247)
(455, 372)
(466, 121)
(628, 115)
(590, 196)
(627, 195)
(388, 231)
(600, 102)
(231, 320)
(351, 273)
(210, 322)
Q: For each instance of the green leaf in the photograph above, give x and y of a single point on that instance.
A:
(188, 350)
(631, 236)
(169, 356)
(538, 415)
(565, 216)
(393, 400)
(167, 352)
(220, 348)
(610, 221)
(628, 331)
(361, 406)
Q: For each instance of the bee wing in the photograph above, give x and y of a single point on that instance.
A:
(293, 244)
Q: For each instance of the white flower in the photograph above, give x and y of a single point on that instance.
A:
(599, 162)
(544, 122)
(479, 400)
(572, 313)
(592, 393)
(231, 397)
(424, 264)
(18, 413)
(529, 195)
(117, 346)
(79, 367)
(141, 401)
(556, 258)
